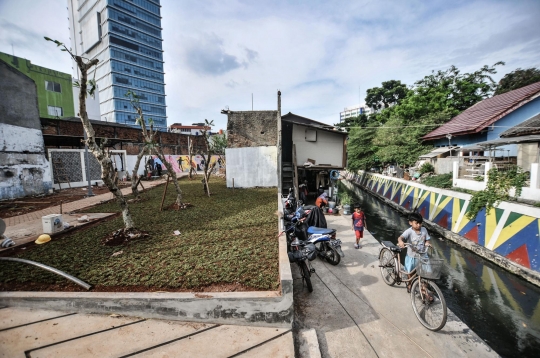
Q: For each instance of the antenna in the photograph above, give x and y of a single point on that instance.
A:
(252, 101)
(12, 50)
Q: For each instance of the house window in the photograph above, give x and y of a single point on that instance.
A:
(53, 86)
(55, 111)
(311, 135)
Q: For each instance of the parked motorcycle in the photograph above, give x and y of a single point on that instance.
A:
(328, 246)
(301, 253)
(325, 241)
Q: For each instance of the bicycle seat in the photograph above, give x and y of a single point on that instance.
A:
(391, 246)
(319, 230)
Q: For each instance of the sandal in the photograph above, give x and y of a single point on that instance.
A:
(409, 285)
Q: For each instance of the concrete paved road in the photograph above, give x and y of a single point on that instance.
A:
(40, 333)
(355, 314)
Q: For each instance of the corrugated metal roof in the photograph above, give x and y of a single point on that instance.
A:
(503, 141)
(530, 126)
(438, 152)
(484, 113)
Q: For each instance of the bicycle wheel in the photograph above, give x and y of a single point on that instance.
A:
(306, 275)
(388, 266)
(428, 304)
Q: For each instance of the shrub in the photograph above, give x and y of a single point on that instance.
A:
(427, 168)
(443, 181)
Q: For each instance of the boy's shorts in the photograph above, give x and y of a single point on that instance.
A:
(359, 234)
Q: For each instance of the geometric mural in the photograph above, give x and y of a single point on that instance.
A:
(513, 235)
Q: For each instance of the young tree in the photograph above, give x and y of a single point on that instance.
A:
(102, 156)
(151, 145)
(209, 151)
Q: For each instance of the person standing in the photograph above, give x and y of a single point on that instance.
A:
(358, 224)
(180, 160)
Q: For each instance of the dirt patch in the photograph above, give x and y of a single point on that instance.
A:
(124, 236)
(21, 206)
(182, 206)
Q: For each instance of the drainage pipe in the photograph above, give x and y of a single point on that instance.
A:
(51, 269)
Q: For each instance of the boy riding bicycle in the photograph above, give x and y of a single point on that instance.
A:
(418, 237)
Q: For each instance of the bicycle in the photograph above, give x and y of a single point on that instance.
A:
(427, 300)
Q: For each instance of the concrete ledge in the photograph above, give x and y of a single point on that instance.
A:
(268, 308)
(521, 271)
(309, 344)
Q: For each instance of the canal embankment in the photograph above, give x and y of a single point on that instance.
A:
(509, 235)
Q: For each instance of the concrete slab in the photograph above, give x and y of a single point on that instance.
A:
(29, 231)
(222, 341)
(281, 347)
(122, 341)
(14, 317)
(15, 342)
(355, 313)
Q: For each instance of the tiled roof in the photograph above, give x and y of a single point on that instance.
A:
(484, 113)
(530, 126)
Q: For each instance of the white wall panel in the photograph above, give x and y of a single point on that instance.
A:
(251, 167)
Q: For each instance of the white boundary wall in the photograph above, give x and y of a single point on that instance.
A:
(84, 181)
(252, 167)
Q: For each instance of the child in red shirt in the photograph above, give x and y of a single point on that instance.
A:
(358, 224)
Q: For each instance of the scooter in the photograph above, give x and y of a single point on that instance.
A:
(325, 241)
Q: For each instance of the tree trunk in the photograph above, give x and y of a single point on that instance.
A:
(135, 176)
(172, 173)
(107, 170)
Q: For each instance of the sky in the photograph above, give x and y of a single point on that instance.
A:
(321, 55)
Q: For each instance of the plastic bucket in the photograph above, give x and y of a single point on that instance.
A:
(331, 204)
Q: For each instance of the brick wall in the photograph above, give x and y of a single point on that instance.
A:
(172, 143)
(251, 129)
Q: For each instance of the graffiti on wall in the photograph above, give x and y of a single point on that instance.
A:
(180, 163)
(514, 235)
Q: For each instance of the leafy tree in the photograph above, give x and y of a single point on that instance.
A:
(517, 79)
(449, 91)
(390, 93)
(401, 143)
(361, 152)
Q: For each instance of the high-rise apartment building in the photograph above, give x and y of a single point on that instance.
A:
(353, 111)
(125, 35)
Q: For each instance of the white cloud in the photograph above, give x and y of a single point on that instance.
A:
(322, 55)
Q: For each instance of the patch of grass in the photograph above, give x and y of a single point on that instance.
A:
(229, 238)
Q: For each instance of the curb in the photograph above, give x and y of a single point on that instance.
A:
(309, 344)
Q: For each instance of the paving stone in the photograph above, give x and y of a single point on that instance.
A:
(14, 316)
(15, 342)
(121, 341)
(222, 341)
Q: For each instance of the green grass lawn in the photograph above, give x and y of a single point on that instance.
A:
(227, 241)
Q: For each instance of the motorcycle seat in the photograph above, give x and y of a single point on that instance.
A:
(319, 230)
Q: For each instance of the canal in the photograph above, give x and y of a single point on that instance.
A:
(501, 308)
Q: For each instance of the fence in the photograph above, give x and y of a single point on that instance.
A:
(69, 165)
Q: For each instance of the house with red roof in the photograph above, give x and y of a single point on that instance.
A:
(487, 120)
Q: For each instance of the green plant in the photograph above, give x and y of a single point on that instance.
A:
(498, 189)
(443, 181)
(345, 198)
(426, 168)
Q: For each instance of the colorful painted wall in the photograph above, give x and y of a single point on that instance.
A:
(511, 230)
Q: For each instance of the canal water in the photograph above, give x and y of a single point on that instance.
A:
(501, 308)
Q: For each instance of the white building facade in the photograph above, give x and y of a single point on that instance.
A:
(354, 111)
(125, 36)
